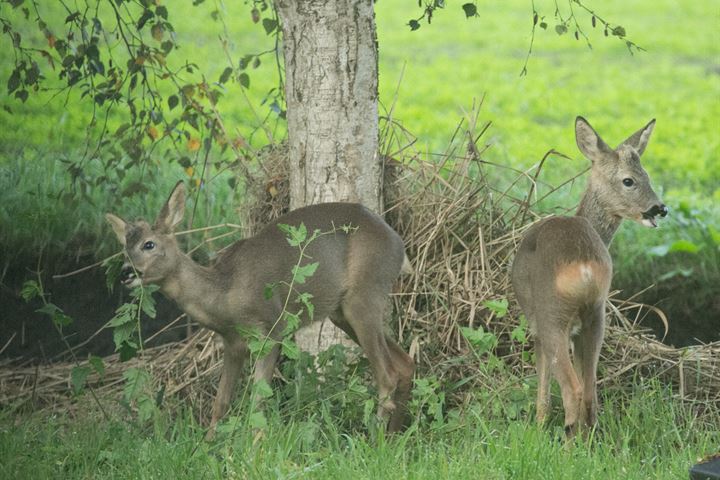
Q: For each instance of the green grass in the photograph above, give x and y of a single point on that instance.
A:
(648, 434)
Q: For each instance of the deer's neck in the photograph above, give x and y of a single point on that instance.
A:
(604, 222)
(193, 288)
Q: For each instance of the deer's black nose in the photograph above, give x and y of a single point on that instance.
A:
(661, 210)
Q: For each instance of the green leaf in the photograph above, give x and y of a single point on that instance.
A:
(561, 29)
(302, 272)
(262, 389)
(269, 24)
(78, 377)
(122, 335)
(305, 299)
(414, 25)
(147, 305)
(244, 80)
(257, 420)
(161, 11)
(684, 246)
(14, 81)
(269, 290)
(123, 315)
(172, 101)
(225, 76)
(292, 323)
(30, 290)
(56, 315)
(295, 235)
(499, 307)
(290, 350)
(97, 364)
(146, 408)
(136, 379)
(146, 15)
(519, 333)
(480, 340)
(113, 267)
(470, 10)
(128, 350)
(618, 31)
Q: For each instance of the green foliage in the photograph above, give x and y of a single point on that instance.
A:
(126, 322)
(682, 259)
(498, 307)
(138, 395)
(481, 341)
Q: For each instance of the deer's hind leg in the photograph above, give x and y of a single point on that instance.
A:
(361, 316)
(542, 404)
(553, 332)
(588, 344)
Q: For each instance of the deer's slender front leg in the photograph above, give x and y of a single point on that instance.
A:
(234, 357)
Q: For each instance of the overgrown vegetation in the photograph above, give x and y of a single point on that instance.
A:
(474, 390)
(647, 434)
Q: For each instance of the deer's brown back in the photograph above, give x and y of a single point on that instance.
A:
(367, 257)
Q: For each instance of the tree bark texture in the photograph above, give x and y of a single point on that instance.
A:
(330, 49)
(331, 90)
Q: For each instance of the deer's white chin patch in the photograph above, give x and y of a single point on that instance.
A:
(649, 222)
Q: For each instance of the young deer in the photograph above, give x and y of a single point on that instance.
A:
(562, 270)
(357, 268)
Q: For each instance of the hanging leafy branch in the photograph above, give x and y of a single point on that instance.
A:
(123, 54)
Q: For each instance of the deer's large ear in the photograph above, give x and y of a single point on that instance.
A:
(118, 225)
(173, 210)
(589, 142)
(639, 139)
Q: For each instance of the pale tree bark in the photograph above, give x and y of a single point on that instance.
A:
(331, 74)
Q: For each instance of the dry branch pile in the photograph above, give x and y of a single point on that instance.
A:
(461, 220)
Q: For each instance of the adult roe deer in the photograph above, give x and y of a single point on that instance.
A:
(562, 270)
(356, 270)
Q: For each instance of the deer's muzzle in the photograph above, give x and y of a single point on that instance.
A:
(648, 217)
(129, 276)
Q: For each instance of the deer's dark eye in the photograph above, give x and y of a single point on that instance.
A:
(628, 182)
(149, 245)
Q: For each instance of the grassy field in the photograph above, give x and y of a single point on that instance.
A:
(646, 434)
(430, 77)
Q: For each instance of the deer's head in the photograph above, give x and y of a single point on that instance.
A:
(617, 179)
(151, 250)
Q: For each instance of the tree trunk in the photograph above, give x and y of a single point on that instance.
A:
(330, 49)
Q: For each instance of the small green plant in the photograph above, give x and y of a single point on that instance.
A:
(296, 305)
(33, 289)
(127, 332)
